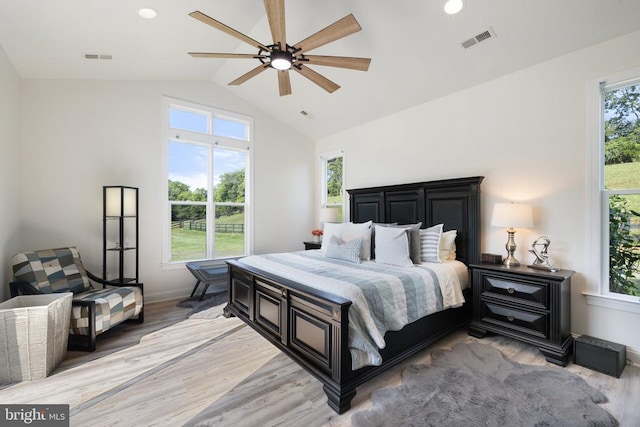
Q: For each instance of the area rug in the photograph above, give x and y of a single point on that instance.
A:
(476, 385)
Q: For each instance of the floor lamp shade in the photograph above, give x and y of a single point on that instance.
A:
(121, 201)
(512, 215)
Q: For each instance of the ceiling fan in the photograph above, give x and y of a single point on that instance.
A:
(284, 57)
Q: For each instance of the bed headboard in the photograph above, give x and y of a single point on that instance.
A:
(453, 202)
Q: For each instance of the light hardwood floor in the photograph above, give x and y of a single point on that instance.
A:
(173, 371)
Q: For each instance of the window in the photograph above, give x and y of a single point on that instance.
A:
(621, 185)
(207, 164)
(332, 183)
(614, 191)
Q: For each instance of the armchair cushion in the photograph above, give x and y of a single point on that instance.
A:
(52, 270)
(112, 305)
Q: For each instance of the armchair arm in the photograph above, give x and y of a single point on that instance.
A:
(23, 288)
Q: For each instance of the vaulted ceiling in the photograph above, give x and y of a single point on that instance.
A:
(415, 47)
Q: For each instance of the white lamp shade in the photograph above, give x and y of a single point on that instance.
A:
(516, 215)
(120, 201)
(328, 215)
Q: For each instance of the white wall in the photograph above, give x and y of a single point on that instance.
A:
(80, 135)
(9, 168)
(526, 133)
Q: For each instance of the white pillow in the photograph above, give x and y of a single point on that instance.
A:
(392, 246)
(346, 232)
(331, 229)
(430, 243)
(346, 251)
(448, 245)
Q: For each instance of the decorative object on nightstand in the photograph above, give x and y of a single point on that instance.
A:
(120, 232)
(317, 235)
(312, 245)
(512, 215)
(530, 305)
(542, 258)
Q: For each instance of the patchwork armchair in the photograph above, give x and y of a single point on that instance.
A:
(94, 310)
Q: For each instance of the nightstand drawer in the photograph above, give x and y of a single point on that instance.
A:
(530, 293)
(534, 324)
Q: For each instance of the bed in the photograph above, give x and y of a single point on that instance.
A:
(311, 326)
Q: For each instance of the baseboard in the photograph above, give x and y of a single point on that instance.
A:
(178, 293)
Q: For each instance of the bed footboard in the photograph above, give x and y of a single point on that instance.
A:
(311, 328)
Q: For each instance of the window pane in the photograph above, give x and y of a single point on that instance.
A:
(188, 233)
(229, 236)
(229, 175)
(334, 181)
(622, 138)
(624, 244)
(188, 120)
(230, 129)
(188, 171)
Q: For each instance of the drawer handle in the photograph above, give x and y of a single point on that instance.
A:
(511, 290)
(510, 318)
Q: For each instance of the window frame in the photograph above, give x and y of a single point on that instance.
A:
(597, 241)
(211, 142)
(324, 159)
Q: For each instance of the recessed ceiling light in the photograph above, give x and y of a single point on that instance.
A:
(147, 13)
(452, 7)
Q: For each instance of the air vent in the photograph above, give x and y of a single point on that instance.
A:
(96, 56)
(485, 35)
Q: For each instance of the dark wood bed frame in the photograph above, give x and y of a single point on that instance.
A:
(311, 326)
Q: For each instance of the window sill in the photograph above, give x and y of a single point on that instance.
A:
(631, 304)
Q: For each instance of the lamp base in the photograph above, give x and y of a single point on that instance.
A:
(511, 261)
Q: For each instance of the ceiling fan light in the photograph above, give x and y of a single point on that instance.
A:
(281, 60)
(452, 7)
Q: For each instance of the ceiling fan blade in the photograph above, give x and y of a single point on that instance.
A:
(318, 79)
(284, 82)
(275, 14)
(243, 78)
(226, 29)
(361, 64)
(339, 29)
(226, 55)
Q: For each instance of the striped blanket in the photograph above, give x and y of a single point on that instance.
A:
(384, 297)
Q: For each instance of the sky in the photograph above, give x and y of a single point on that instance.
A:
(189, 163)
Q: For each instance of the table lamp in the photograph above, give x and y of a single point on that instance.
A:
(512, 215)
(328, 215)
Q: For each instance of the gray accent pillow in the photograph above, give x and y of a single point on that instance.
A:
(346, 251)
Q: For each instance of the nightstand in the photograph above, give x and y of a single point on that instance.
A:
(527, 304)
(312, 245)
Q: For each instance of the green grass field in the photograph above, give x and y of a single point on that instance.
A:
(189, 245)
(624, 175)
